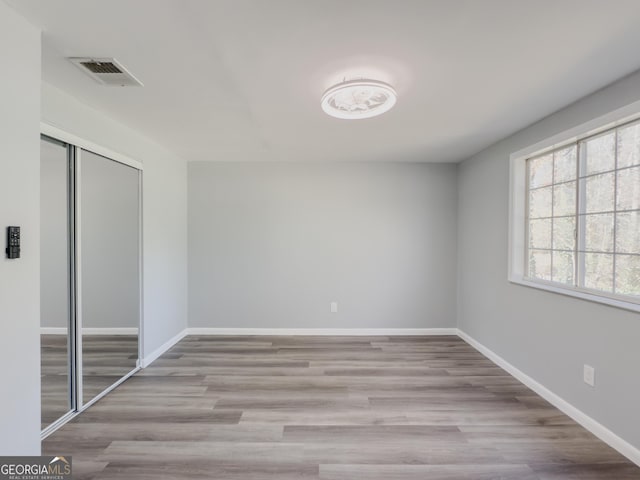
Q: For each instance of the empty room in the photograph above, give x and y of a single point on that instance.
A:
(320, 239)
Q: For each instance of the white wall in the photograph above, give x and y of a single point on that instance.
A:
(547, 336)
(272, 244)
(164, 210)
(20, 205)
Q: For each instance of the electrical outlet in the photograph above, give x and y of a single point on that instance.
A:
(334, 307)
(589, 375)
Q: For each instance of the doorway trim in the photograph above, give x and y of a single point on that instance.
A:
(57, 133)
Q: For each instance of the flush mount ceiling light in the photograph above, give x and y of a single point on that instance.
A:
(355, 99)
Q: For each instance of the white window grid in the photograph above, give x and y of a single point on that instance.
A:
(580, 215)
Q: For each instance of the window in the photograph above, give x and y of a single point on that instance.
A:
(552, 193)
(582, 214)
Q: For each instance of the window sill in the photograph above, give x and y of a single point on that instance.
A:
(570, 292)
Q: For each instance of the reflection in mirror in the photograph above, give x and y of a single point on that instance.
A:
(54, 282)
(110, 276)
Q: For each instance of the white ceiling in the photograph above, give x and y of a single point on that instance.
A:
(242, 79)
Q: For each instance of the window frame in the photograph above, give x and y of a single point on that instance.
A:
(518, 207)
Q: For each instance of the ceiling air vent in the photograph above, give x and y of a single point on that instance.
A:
(106, 71)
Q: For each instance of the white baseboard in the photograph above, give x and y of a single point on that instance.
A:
(148, 359)
(599, 430)
(91, 331)
(53, 331)
(110, 331)
(323, 331)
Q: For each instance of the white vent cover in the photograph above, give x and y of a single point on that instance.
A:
(106, 71)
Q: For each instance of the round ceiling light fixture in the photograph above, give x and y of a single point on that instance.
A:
(356, 99)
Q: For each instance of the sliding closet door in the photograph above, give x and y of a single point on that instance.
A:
(55, 299)
(109, 204)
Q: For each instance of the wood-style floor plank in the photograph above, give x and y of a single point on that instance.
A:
(330, 408)
(106, 359)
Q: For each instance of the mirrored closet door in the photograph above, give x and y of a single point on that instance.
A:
(90, 277)
(56, 343)
(110, 274)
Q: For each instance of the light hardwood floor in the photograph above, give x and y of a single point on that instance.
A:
(106, 359)
(348, 408)
(54, 378)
